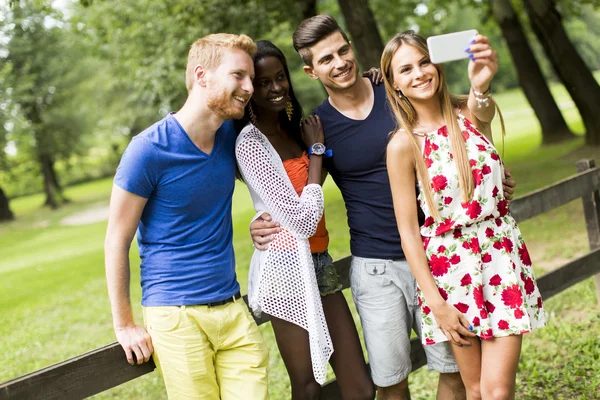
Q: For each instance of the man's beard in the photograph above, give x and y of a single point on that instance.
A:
(220, 102)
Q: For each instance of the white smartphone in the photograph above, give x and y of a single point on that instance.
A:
(450, 47)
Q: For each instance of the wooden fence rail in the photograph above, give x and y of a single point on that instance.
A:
(106, 367)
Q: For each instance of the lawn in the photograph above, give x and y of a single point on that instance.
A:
(53, 302)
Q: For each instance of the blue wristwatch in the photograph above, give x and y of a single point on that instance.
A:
(319, 149)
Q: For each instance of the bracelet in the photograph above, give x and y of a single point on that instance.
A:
(483, 98)
(487, 93)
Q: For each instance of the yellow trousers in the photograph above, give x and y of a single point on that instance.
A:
(209, 353)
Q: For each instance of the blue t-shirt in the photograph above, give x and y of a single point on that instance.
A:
(185, 232)
(358, 169)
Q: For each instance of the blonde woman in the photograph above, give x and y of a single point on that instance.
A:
(475, 281)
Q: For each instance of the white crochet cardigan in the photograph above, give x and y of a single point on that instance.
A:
(282, 280)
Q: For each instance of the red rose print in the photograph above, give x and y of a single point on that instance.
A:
(474, 209)
(475, 246)
(519, 313)
(486, 169)
(427, 148)
(439, 265)
(497, 245)
(443, 293)
(495, 191)
(476, 321)
(489, 306)
(524, 255)
(489, 232)
(428, 162)
(444, 227)
(512, 296)
(495, 280)
(498, 222)
(428, 222)
(507, 244)
(447, 200)
(462, 307)
(472, 163)
(477, 177)
(502, 324)
(455, 259)
(481, 147)
(434, 146)
(457, 233)
(483, 312)
(495, 156)
(487, 257)
(489, 334)
(441, 249)
(439, 183)
(443, 131)
(426, 310)
(529, 286)
(429, 341)
(502, 208)
(465, 135)
(478, 296)
(466, 280)
(539, 302)
(426, 242)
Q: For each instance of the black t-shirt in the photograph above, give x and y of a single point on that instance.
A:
(358, 168)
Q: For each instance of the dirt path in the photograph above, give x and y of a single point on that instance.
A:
(97, 213)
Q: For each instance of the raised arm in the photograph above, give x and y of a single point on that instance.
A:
(125, 212)
(482, 68)
(401, 172)
(300, 214)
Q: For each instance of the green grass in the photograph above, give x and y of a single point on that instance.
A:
(53, 301)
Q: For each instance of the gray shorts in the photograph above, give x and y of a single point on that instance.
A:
(385, 294)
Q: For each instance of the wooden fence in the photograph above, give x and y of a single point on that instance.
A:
(106, 367)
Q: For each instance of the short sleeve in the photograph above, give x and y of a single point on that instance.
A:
(137, 170)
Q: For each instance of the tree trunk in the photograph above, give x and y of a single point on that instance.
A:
(364, 32)
(531, 78)
(569, 66)
(308, 8)
(5, 213)
(51, 189)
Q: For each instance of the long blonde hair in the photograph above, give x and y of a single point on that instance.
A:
(406, 118)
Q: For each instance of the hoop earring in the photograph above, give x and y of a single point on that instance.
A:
(289, 108)
(251, 114)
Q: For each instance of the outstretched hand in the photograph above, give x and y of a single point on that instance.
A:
(484, 63)
(375, 74)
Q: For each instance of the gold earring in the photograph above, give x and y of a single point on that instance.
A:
(251, 114)
(289, 108)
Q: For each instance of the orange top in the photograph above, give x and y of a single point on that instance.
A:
(297, 170)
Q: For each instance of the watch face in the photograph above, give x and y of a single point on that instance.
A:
(318, 149)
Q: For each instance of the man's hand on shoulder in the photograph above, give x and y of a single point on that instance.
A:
(135, 340)
(262, 230)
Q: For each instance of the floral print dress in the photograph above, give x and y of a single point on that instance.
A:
(475, 251)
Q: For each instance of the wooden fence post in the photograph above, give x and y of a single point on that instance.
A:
(591, 209)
